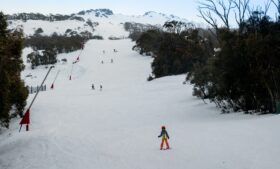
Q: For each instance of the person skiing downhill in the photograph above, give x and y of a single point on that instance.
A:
(165, 138)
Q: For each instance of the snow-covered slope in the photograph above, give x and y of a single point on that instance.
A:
(75, 127)
(107, 22)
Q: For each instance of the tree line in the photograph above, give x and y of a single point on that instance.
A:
(38, 16)
(244, 74)
(175, 48)
(53, 45)
(62, 43)
(136, 29)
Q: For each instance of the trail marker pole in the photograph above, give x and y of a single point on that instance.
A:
(55, 79)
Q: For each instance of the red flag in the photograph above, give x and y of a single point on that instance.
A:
(25, 119)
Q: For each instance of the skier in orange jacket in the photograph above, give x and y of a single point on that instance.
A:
(165, 138)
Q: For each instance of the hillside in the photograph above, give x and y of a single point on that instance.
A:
(105, 22)
(75, 127)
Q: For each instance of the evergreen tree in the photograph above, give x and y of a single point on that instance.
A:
(12, 92)
(244, 74)
(175, 52)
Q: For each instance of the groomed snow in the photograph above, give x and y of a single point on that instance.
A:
(75, 127)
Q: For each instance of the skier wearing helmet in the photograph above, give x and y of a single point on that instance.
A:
(165, 137)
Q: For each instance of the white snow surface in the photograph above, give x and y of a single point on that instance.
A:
(75, 127)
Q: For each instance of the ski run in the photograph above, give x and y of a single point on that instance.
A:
(117, 127)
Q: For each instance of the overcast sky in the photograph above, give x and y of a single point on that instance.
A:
(182, 8)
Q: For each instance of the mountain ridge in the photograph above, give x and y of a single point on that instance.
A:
(85, 21)
(99, 12)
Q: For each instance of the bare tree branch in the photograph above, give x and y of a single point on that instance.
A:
(209, 7)
(207, 17)
(242, 7)
(277, 5)
(266, 7)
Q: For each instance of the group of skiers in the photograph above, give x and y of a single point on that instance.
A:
(115, 50)
(112, 61)
(93, 88)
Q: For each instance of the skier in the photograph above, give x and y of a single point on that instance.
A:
(112, 60)
(92, 86)
(165, 138)
(102, 62)
(100, 87)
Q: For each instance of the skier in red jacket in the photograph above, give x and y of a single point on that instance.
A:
(165, 138)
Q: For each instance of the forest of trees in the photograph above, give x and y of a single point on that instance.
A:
(53, 45)
(37, 16)
(136, 29)
(176, 48)
(47, 57)
(237, 68)
(244, 75)
(61, 43)
(13, 93)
